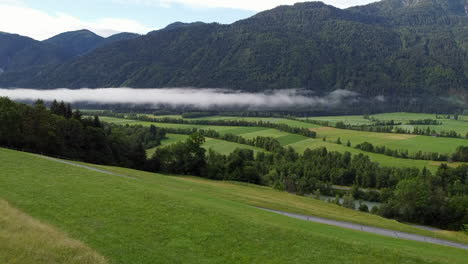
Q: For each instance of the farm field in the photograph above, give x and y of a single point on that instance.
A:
(289, 122)
(412, 143)
(185, 219)
(460, 126)
(220, 146)
(300, 143)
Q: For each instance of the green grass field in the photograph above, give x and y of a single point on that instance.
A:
(394, 141)
(460, 126)
(412, 143)
(162, 219)
(288, 122)
(300, 143)
(26, 240)
(220, 146)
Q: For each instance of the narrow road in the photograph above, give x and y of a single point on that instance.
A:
(370, 229)
(83, 166)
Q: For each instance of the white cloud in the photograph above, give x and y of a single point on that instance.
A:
(18, 18)
(254, 5)
(200, 98)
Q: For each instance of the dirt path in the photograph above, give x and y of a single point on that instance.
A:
(374, 230)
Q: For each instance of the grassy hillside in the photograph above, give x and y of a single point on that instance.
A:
(300, 143)
(190, 220)
(26, 240)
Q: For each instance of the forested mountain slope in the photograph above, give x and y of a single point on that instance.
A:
(397, 48)
(82, 41)
(19, 53)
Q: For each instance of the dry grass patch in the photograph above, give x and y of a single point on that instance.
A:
(24, 239)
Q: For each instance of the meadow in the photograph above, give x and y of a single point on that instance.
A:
(412, 143)
(220, 146)
(460, 125)
(165, 219)
(24, 239)
(298, 142)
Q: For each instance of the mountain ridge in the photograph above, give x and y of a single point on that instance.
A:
(20, 52)
(421, 52)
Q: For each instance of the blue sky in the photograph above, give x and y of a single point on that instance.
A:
(41, 19)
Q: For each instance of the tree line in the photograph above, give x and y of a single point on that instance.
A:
(267, 143)
(65, 133)
(419, 155)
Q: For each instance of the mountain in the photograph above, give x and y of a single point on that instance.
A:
(18, 52)
(394, 48)
(76, 43)
(418, 12)
(119, 37)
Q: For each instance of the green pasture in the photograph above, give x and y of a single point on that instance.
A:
(412, 143)
(301, 143)
(460, 126)
(162, 219)
(220, 146)
(352, 120)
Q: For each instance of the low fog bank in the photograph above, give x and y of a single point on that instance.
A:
(189, 97)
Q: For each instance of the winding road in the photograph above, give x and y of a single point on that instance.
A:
(370, 229)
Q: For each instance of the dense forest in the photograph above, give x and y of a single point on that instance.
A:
(410, 52)
(65, 133)
(408, 194)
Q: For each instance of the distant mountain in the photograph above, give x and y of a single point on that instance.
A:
(178, 25)
(76, 43)
(394, 48)
(119, 37)
(418, 12)
(18, 52)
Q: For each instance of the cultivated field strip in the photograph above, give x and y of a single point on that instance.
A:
(299, 143)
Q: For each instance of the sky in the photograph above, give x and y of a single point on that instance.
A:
(42, 19)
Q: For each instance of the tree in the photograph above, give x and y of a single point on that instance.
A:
(363, 207)
(96, 121)
(348, 201)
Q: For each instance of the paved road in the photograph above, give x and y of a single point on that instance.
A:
(83, 166)
(374, 230)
